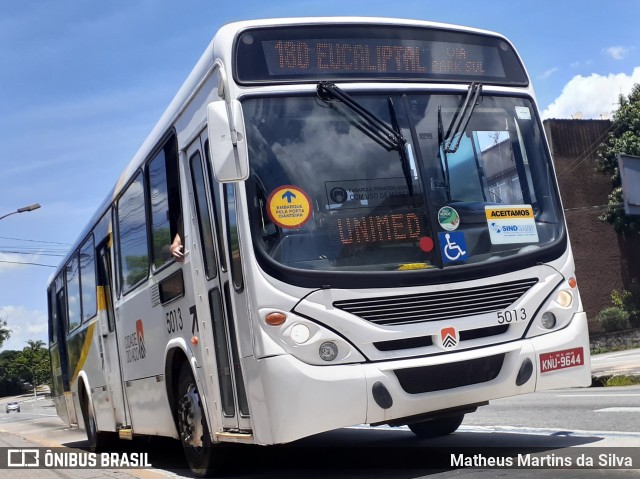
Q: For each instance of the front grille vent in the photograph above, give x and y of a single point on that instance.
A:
(444, 305)
(450, 375)
(424, 341)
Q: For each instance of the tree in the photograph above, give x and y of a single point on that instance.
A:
(5, 333)
(35, 345)
(33, 363)
(624, 138)
(9, 380)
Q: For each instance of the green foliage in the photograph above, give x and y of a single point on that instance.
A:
(34, 360)
(629, 301)
(604, 349)
(622, 381)
(18, 367)
(4, 332)
(624, 138)
(613, 319)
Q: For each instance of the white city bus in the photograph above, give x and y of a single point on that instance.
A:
(373, 235)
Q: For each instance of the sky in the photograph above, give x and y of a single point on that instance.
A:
(82, 83)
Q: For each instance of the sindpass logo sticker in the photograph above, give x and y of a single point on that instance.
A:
(511, 224)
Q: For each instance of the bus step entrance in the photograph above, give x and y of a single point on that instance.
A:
(235, 436)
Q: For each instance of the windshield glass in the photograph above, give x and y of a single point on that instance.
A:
(326, 194)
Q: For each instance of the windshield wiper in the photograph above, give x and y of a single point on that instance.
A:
(461, 119)
(442, 152)
(450, 142)
(389, 137)
(402, 147)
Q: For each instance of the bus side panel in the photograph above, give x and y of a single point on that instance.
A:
(150, 409)
(85, 361)
(57, 392)
(142, 336)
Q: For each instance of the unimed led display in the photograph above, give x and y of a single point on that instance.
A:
(383, 52)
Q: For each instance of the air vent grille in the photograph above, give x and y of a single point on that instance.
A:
(443, 305)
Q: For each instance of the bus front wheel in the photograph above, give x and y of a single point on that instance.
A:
(192, 424)
(439, 426)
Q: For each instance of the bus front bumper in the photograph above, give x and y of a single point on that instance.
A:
(291, 400)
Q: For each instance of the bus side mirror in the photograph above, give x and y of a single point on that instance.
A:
(227, 142)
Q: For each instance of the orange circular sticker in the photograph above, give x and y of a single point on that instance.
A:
(289, 206)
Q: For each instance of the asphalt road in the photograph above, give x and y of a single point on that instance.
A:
(559, 426)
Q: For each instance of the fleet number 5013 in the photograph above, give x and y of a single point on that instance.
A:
(512, 316)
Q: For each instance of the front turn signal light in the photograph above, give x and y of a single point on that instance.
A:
(275, 319)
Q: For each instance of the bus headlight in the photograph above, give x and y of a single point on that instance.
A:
(565, 298)
(557, 311)
(305, 339)
(300, 333)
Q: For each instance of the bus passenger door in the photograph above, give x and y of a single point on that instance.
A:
(224, 376)
(60, 312)
(111, 356)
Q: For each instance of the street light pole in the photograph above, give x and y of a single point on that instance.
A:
(24, 209)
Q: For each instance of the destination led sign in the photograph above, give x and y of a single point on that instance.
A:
(374, 52)
(379, 57)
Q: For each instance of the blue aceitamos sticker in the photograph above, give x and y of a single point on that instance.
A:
(453, 247)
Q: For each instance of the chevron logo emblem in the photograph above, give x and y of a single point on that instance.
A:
(449, 337)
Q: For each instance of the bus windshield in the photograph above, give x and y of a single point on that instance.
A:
(326, 194)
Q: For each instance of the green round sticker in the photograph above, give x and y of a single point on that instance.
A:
(448, 218)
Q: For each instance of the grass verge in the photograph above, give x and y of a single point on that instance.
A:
(617, 380)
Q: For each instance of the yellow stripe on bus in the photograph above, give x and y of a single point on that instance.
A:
(102, 303)
(85, 351)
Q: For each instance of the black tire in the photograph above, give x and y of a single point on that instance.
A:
(440, 426)
(200, 456)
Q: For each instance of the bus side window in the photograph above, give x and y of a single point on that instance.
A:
(132, 235)
(58, 296)
(215, 190)
(53, 316)
(164, 200)
(72, 279)
(88, 279)
(204, 219)
(232, 232)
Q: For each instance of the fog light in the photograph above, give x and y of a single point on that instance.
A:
(548, 320)
(300, 333)
(564, 299)
(328, 351)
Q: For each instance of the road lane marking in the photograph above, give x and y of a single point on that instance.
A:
(516, 430)
(597, 395)
(618, 409)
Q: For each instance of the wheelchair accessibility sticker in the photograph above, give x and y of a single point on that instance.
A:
(453, 247)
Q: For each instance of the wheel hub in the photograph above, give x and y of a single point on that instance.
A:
(190, 418)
